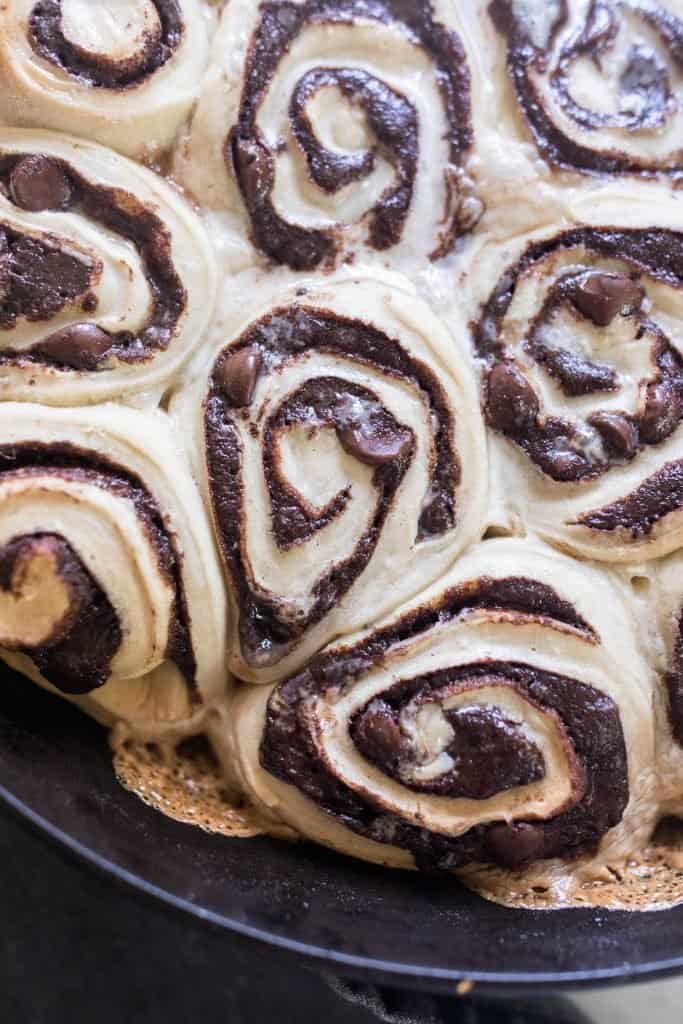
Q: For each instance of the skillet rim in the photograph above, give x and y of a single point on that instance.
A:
(364, 968)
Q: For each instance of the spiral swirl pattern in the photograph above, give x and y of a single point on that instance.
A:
(348, 124)
(483, 723)
(344, 461)
(580, 336)
(121, 72)
(106, 558)
(597, 81)
(106, 276)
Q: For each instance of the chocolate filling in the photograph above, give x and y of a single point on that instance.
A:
(644, 79)
(657, 497)
(511, 403)
(391, 117)
(84, 646)
(77, 657)
(46, 36)
(490, 752)
(588, 719)
(38, 278)
(269, 626)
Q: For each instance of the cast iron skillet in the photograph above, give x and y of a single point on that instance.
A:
(348, 917)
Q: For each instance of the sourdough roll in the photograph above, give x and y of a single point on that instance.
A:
(579, 331)
(333, 125)
(110, 591)
(340, 444)
(107, 277)
(504, 717)
(121, 72)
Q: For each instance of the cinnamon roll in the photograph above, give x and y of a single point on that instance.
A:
(334, 124)
(121, 72)
(579, 330)
(107, 278)
(342, 451)
(110, 591)
(504, 717)
(593, 85)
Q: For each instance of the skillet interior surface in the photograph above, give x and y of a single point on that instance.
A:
(353, 919)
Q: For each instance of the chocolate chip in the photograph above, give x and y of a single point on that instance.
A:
(237, 375)
(618, 431)
(80, 346)
(512, 405)
(377, 735)
(662, 412)
(515, 845)
(436, 517)
(39, 183)
(563, 464)
(601, 296)
(374, 448)
(253, 168)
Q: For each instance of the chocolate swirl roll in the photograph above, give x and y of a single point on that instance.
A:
(594, 83)
(487, 722)
(342, 452)
(579, 329)
(121, 72)
(334, 124)
(107, 278)
(110, 591)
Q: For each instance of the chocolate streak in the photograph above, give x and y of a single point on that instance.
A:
(38, 279)
(587, 719)
(512, 405)
(392, 118)
(268, 625)
(79, 662)
(48, 41)
(645, 77)
(512, 759)
(77, 657)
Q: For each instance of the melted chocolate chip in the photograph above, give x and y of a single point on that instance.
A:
(511, 403)
(80, 346)
(662, 412)
(375, 448)
(96, 69)
(391, 118)
(237, 375)
(39, 183)
(618, 431)
(377, 735)
(512, 846)
(601, 296)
